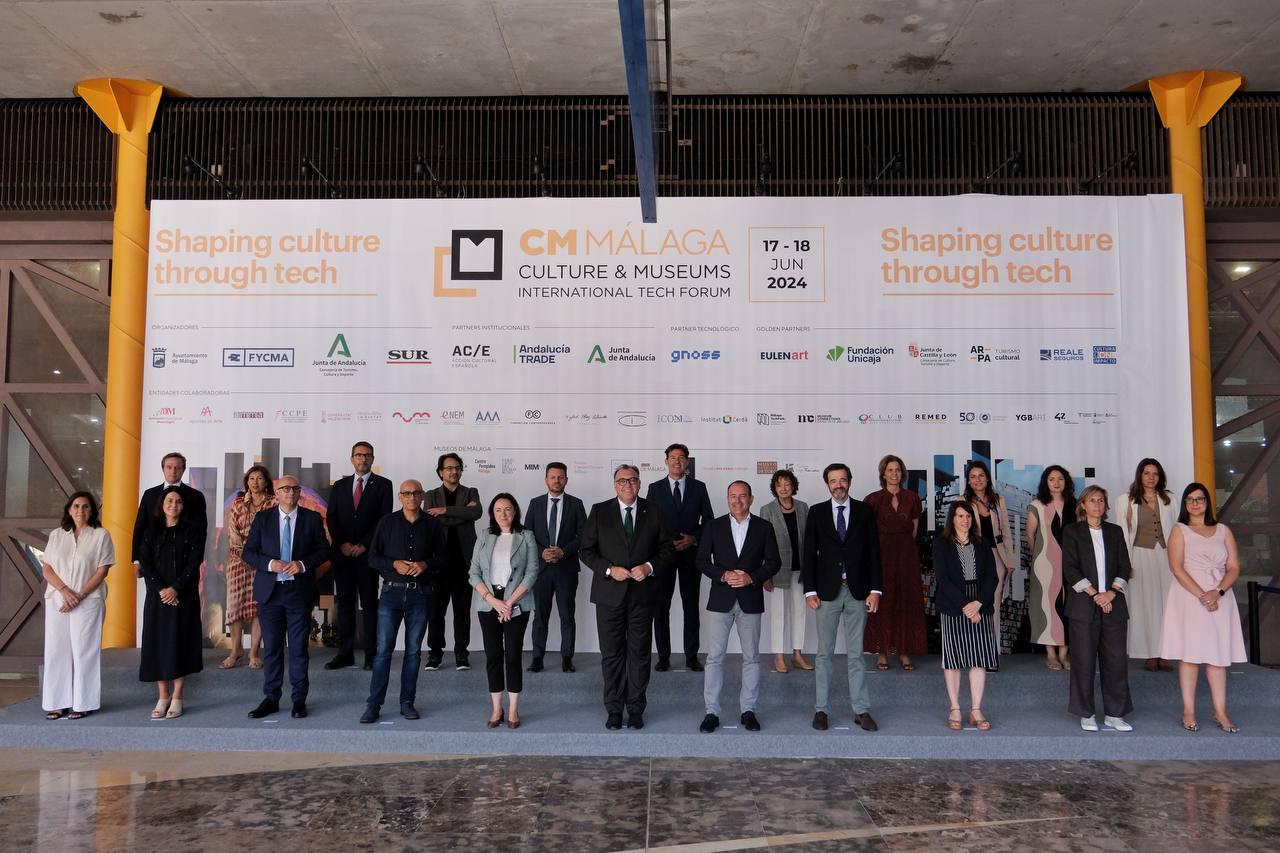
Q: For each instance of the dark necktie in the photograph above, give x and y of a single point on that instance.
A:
(628, 526)
(841, 529)
(675, 496)
(359, 492)
(552, 529)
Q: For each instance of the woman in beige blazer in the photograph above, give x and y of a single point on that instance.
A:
(504, 567)
(1147, 516)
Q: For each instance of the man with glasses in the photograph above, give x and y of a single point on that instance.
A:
(628, 549)
(285, 547)
(457, 507)
(357, 502)
(406, 549)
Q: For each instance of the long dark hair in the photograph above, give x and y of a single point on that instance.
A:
(266, 475)
(969, 494)
(516, 526)
(1184, 517)
(1136, 491)
(949, 532)
(1068, 491)
(94, 520)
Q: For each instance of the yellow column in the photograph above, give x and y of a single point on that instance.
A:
(127, 108)
(1187, 101)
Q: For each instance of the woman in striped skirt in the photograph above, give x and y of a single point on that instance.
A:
(965, 567)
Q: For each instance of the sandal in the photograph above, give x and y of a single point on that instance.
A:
(255, 663)
(78, 715)
(55, 715)
(907, 666)
(1192, 726)
(162, 706)
(982, 724)
(1229, 728)
(882, 665)
(175, 710)
(230, 662)
(1053, 665)
(953, 720)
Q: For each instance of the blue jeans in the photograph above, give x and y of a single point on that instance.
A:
(395, 605)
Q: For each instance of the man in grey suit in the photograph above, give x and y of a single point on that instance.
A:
(556, 520)
(457, 507)
(628, 548)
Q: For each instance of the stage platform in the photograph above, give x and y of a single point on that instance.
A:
(562, 715)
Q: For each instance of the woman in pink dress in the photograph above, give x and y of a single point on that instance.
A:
(898, 626)
(258, 495)
(1201, 618)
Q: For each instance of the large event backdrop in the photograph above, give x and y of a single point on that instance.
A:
(761, 332)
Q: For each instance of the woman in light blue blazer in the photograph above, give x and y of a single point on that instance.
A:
(504, 566)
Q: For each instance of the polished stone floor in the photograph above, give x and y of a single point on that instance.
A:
(196, 801)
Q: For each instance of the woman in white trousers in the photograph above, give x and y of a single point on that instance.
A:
(785, 607)
(75, 564)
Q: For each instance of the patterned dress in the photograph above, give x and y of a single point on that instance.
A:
(964, 644)
(898, 626)
(240, 604)
(1044, 607)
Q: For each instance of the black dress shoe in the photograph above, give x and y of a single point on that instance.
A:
(299, 710)
(664, 664)
(409, 712)
(567, 665)
(749, 721)
(370, 714)
(433, 663)
(820, 720)
(368, 664)
(693, 664)
(536, 665)
(462, 661)
(340, 661)
(614, 721)
(864, 720)
(709, 724)
(265, 708)
(635, 721)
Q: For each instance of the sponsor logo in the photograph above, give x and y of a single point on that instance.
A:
(834, 353)
(982, 354)
(206, 416)
(487, 418)
(453, 415)
(725, 419)
(1028, 417)
(766, 469)
(1104, 355)
(476, 255)
(339, 347)
(165, 415)
(679, 355)
(412, 417)
(537, 353)
(257, 357)
(483, 466)
(369, 417)
(408, 356)
(161, 357)
(1057, 354)
(585, 418)
(338, 363)
(157, 357)
(974, 417)
(931, 356)
(619, 354)
(472, 355)
(291, 416)
(770, 419)
(870, 418)
(327, 417)
(674, 419)
(534, 417)
(532, 466)
(816, 418)
(931, 417)
(508, 466)
(248, 416)
(784, 355)
(858, 355)
(633, 419)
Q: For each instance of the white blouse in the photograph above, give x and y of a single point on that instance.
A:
(75, 561)
(500, 562)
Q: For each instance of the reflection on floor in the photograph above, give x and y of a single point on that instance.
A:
(198, 801)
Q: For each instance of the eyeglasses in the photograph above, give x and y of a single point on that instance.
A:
(361, 455)
(1199, 499)
(288, 488)
(625, 481)
(451, 468)
(419, 493)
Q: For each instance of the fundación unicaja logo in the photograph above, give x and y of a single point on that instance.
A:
(834, 353)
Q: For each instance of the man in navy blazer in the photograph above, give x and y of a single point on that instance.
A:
(686, 509)
(357, 502)
(286, 546)
(739, 552)
(841, 573)
(556, 519)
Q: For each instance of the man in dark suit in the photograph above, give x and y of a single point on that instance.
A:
(174, 465)
(739, 552)
(357, 503)
(457, 507)
(286, 546)
(841, 574)
(556, 520)
(628, 548)
(685, 508)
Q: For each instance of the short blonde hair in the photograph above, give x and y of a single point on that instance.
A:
(1090, 491)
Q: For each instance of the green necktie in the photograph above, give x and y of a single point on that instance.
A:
(628, 526)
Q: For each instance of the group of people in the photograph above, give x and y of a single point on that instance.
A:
(1156, 585)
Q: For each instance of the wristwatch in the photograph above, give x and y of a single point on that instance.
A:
(1221, 592)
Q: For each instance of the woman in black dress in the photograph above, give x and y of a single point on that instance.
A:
(965, 567)
(171, 646)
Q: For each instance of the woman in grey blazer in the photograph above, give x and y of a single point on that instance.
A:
(504, 566)
(785, 605)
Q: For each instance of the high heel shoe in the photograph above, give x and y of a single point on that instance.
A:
(175, 710)
(779, 664)
(801, 663)
(981, 725)
(1229, 728)
(494, 722)
(162, 707)
(513, 723)
(953, 720)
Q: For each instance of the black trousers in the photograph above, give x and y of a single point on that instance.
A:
(1100, 645)
(451, 585)
(560, 581)
(353, 580)
(503, 645)
(690, 589)
(626, 635)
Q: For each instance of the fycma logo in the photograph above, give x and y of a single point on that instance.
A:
(157, 357)
(257, 357)
(475, 255)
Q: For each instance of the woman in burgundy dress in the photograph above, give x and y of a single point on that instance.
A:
(898, 626)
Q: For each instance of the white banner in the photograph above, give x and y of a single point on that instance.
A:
(761, 332)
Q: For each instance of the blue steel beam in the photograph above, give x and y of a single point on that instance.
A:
(635, 54)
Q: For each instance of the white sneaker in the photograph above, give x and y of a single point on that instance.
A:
(1118, 724)
(1089, 724)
